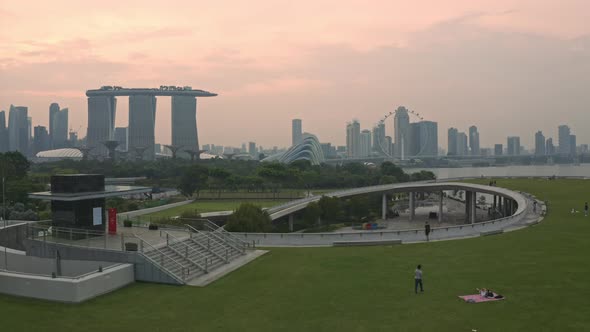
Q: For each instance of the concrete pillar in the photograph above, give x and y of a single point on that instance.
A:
(440, 207)
(467, 209)
(473, 206)
(412, 205)
(384, 207)
(291, 222)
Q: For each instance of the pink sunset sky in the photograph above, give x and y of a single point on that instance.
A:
(509, 67)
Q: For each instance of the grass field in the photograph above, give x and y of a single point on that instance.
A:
(210, 206)
(543, 271)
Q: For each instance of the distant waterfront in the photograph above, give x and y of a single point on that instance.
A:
(541, 170)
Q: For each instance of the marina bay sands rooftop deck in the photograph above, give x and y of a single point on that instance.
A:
(161, 91)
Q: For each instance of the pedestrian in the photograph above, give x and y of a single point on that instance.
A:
(534, 206)
(418, 279)
(427, 230)
(586, 209)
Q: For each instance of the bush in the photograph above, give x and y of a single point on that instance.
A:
(249, 218)
(127, 223)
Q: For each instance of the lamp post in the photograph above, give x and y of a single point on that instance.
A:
(4, 214)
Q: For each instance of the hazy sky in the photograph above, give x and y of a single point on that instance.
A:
(509, 67)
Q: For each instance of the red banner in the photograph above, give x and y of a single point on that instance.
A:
(112, 221)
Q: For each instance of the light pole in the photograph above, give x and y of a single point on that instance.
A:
(4, 215)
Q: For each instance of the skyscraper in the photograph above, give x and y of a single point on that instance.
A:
(563, 139)
(53, 111)
(252, 150)
(401, 122)
(549, 147)
(498, 150)
(142, 122)
(101, 122)
(41, 140)
(539, 143)
(462, 144)
(452, 142)
(379, 144)
(3, 132)
(573, 145)
(58, 134)
(18, 129)
(184, 125)
(474, 141)
(353, 139)
(365, 145)
(513, 145)
(296, 132)
(427, 139)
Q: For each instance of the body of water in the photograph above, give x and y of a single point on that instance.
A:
(532, 170)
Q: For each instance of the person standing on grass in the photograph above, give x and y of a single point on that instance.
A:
(586, 209)
(427, 230)
(418, 279)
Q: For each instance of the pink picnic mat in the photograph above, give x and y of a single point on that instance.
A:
(476, 298)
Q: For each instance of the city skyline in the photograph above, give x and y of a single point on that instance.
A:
(274, 68)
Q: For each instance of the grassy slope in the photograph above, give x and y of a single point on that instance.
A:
(211, 206)
(543, 271)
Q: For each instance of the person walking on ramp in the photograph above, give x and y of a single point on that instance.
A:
(418, 279)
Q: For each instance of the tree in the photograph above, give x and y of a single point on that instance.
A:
(192, 179)
(331, 208)
(13, 165)
(311, 214)
(249, 218)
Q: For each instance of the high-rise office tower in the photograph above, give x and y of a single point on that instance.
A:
(53, 111)
(365, 143)
(73, 141)
(563, 139)
(498, 150)
(18, 129)
(549, 147)
(513, 145)
(184, 124)
(3, 132)
(474, 141)
(390, 145)
(101, 123)
(539, 144)
(252, 150)
(41, 140)
(142, 123)
(573, 145)
(462, 144)
(379, 144)
(121, 136)
(58, 132)
(296, 132)
(401, 122)
(425, 141)
(353, 139)
(452, 142)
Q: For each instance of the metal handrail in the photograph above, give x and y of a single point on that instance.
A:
(188, 249)
(214, 234)
(216, 239)
(185, 270)
(237, 241)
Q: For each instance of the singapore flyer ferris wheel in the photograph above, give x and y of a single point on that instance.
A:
(411, 135)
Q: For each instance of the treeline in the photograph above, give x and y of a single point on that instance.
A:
(221, 175)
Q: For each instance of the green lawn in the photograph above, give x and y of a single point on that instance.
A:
(543, 271)
(210, 206)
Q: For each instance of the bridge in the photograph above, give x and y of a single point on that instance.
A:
(102, 105)
(515, 208)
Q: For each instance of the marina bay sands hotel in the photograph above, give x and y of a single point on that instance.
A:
(102, 106)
